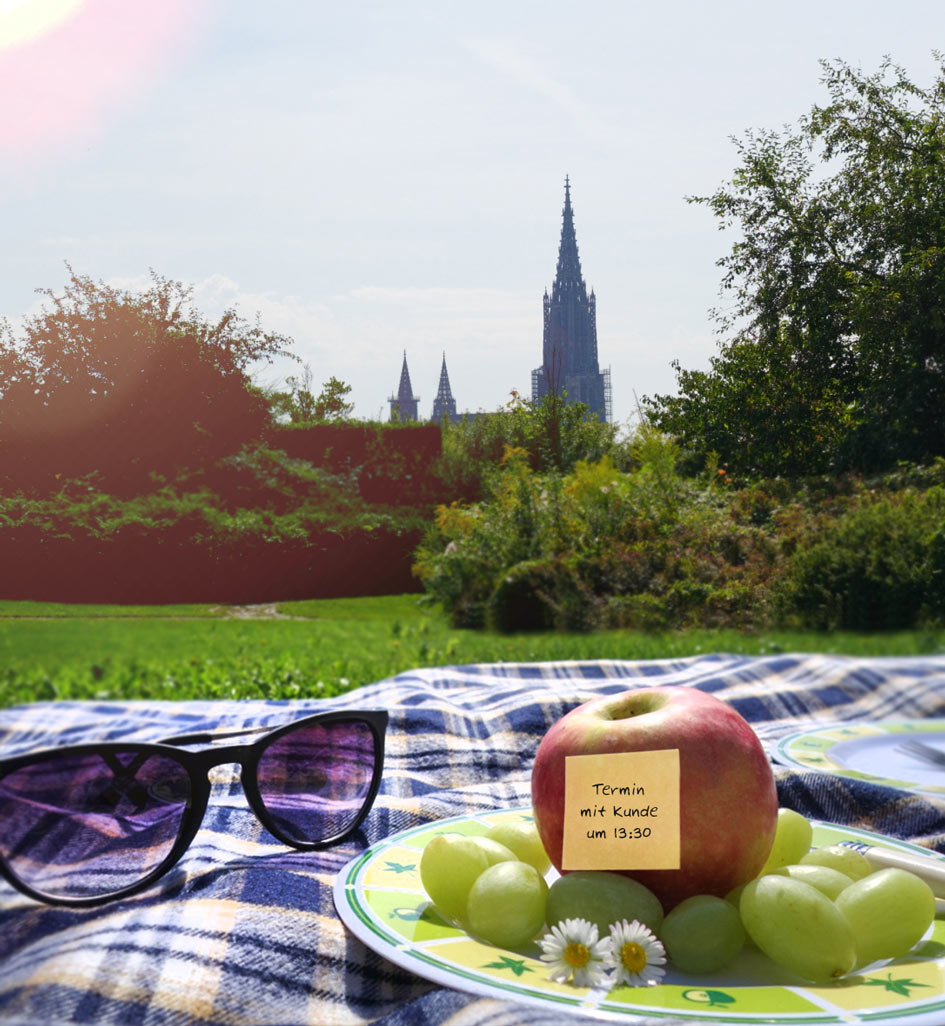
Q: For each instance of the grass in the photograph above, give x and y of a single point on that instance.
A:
(319, 648)
(62, 610)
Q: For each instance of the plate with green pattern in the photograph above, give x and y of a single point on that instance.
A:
(382, 902)
(869, 751)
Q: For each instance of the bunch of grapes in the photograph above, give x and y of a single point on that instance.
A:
(824, 912)
(818, 913)
(493, 886)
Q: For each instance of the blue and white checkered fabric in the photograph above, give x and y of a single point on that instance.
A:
(244, 931)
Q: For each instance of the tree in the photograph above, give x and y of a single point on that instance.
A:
(553, 433)
(297, 405)
(836, 351)
(332, 403)
(126, 383)
(300, 406)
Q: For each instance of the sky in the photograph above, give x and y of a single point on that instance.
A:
(374, 178)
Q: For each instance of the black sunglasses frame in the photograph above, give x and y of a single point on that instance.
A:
(197, 766)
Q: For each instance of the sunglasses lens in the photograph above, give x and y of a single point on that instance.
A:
(314, 781)
(82, 826)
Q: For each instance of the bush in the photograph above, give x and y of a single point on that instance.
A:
(537, 595)
(634, 612)
(557, 551)
(879, 566)
(551, 435)
(645, 548)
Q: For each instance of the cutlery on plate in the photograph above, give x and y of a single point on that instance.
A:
(920, 750)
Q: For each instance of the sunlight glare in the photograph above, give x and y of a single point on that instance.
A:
(23, 20)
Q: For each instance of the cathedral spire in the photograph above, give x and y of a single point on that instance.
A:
(568, 274)
(444, 404)
(569, 337)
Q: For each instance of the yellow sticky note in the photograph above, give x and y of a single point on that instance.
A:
(621, 811)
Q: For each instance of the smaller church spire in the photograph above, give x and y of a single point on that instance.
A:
(406, 389)
(403, 406)
(444, 404)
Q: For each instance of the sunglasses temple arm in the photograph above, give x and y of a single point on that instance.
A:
(210, 735)
(205, 737)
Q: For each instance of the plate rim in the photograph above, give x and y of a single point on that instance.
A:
(929, 725)
(403, 953)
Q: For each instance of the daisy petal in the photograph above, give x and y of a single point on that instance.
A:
(575, 953)
(636, 954)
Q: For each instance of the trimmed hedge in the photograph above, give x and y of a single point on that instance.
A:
(344, 445)
(141, 566)
(395, 463)
(258, 526)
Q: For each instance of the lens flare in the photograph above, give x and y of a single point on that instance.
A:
(69, 69)
(24, 20)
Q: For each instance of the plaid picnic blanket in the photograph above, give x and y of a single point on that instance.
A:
(244, 931)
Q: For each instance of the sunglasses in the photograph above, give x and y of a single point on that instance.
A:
(86, 824)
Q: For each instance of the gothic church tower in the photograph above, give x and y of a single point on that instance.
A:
(403, 406)
(444, 405)
(569, 343)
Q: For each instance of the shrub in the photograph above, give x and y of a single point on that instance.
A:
(538, 595)
(551, 435)
(879, 566)
(550, 550)
(642, 612)
(469, 547)
(646, 548)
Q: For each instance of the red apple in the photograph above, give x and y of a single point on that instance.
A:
(728, 803)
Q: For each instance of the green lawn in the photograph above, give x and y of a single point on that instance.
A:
(318, 648)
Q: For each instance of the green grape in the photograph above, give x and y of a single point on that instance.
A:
(889, 911)
(449, 866)
(845, 860)
(733, 897)
(798, 927)
(603, 898)
(735, 894)
(791, 840)
(522, 838)
(506, 904)
(702, 933)
(828, 881)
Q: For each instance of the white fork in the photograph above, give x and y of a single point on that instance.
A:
(920, 750)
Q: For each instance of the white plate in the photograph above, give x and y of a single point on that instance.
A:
(380, 899)
(869, 751)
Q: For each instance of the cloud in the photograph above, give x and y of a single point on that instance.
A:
(469, 302)
(491, 339)
(504, 56)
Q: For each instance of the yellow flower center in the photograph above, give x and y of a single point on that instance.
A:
(577, 955)
(633, 956)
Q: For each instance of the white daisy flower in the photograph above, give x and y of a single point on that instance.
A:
(638, 956)
(574, 953)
